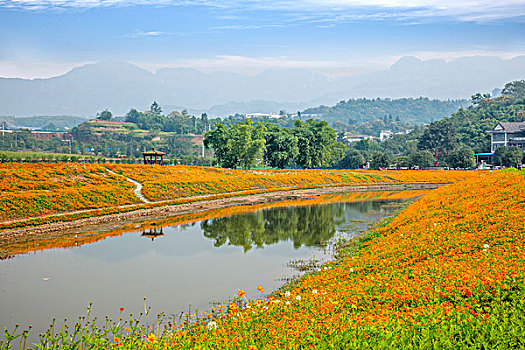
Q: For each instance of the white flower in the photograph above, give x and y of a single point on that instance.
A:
(486, 246)
(351, 270)
(212, 325)
(401, 235)
(286, 294)
(298, 298)
(435, 224)
(314, 291)
(287, 303)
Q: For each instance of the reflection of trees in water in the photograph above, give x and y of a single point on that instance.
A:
(309, 226)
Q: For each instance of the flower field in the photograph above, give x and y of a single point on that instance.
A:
(168, 182)
(32, 189)
(447, 272)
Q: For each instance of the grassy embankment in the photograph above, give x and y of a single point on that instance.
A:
(36, 194)
(447, 272)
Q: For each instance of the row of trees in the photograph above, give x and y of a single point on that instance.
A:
(310, 144)
(459, 158)
(179, 123)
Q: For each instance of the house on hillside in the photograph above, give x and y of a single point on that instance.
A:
(507, 134)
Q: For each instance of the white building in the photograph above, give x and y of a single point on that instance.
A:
(507, 134)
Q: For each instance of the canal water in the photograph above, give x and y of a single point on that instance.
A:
(178, 268)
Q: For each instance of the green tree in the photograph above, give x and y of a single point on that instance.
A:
(461, 158)
(240, 145)
(317, 144)
(422, 159)
(281, 147)
(155, 108)
(381, 159)
(401, 161)
(514, 89)
(353, 159)
(498, 156)
(512, 157)
(477, 98)
(105, 115)
(439, 138)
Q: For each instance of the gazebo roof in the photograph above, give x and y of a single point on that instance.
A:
(153, 153)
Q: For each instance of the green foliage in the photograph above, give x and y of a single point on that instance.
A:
(461, 158)
(281, 147)
(510, 156)
(422, 159)
(174, 122)
(105, 115)
(412, 110)
(155, 108)
(239, 145)
(515, 89)
(353, 159)
(381, 159)
(310, 144)
(317, 143)
(472, 124)
(439, 138)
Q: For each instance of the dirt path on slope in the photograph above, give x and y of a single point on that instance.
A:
(172, 210)
(138, 186)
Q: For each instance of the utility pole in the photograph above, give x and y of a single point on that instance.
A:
(203, 140)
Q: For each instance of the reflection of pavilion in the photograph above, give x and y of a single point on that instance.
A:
(153, 233)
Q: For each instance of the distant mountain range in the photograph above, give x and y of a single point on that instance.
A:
(120, 86)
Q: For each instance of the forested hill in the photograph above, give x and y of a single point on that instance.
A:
(408, 110)
(471, 124)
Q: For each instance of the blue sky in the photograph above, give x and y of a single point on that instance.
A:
(41, 38)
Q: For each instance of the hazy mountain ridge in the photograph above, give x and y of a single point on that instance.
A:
(120, 86)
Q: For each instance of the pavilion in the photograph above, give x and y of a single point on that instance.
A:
(152, 157)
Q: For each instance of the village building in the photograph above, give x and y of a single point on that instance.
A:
(507, 134)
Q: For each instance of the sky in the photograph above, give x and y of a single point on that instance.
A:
(43, 38)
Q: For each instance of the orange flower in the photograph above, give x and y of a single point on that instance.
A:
(260, 289)
(241, 293)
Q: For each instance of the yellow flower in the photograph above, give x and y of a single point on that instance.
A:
(152, 338)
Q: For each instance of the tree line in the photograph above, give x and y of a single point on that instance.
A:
(310, 144)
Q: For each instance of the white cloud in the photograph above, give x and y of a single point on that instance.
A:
(336, 10)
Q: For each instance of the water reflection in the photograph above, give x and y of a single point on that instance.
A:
(304, 226)
(153, 233)
(174, 262)
(311, 226)
(308, 226)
